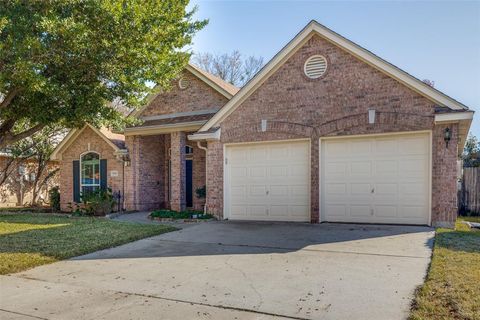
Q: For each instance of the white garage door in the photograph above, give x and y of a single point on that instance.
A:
(268, 181)
(383, 179)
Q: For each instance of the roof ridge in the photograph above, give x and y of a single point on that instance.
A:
(232, 89)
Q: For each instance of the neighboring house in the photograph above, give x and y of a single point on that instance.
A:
(17, 176)
(326, 131)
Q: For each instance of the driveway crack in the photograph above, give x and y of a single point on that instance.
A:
(249, 281)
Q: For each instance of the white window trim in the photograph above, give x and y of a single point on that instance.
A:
(80, 173)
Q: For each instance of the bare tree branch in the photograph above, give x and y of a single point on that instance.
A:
(231, 67)
(8, 138)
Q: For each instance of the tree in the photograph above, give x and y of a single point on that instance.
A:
(62, 61)
(231, 67)
(32, 154)
(471, 152)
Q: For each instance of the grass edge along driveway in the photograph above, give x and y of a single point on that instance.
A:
(31, 240)
(451, 289)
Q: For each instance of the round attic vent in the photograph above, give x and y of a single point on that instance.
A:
(315, 66)
(183, 83)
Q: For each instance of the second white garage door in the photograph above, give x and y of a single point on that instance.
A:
(268, 181)
(377, 179)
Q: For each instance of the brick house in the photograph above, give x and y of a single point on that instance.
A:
(326, 131)
(17, 181)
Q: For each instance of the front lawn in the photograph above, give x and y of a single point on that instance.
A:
(30, 240)
(452, 287)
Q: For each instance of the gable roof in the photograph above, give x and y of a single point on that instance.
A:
(221, 86)
(226, 86)
(114, 140)
(315, 28)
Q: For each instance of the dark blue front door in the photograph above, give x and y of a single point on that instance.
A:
(189, 184)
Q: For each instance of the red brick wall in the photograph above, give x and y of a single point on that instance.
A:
(336, 104)
(197, 96)
(147, 179)
(177, 157)
(146, 175)
(444, 176)
(74, 151)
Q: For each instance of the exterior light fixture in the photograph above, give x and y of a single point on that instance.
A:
(447, 135)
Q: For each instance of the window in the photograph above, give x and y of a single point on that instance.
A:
(89, 172)
(188, 150)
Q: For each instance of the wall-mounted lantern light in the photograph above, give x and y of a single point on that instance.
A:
(447, 135)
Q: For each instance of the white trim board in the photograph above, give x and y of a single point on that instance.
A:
(72, 135)
(314, 28)
(180, 114)
(165, 128)
(193, 70)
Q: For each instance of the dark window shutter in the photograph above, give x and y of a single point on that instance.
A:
(76, 181)
(103, 174)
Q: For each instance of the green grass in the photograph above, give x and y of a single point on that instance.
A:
(30, 240)
(169, 214)
(452, 287)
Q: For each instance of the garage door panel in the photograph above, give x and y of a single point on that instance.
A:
(278, 152)
(335, 170)
(386, 167)
(239, 192)
(412, 211)
(376, 179)
(300, 190)
(357, 210)
(299, 212)
(256, 210)
(257, 190)
(257, 172)
(239, 210)
(413, 145)
(277, 183)
(336, 188)
(385, 211)
(385, 146)
(360, 188)
(361, 168)
(359, 148)
(278, 171)
(279, 190)
(386, 188)
(336, 210)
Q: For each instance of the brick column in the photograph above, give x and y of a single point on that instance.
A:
(177, 156)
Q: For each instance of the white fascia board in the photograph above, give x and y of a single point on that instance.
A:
(208, 136)
(166, 128)
(454, 116)
(180, 114)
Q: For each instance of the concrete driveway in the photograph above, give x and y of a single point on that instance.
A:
(227, 270)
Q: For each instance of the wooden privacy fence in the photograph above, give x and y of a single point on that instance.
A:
(470, 193)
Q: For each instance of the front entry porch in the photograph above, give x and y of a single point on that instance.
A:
(164, 173)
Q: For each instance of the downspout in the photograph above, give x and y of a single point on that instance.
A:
(199, 145)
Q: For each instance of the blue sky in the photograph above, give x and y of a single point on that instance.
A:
(439, 40)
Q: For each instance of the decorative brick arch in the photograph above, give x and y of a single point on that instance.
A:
(384, 121)
(278, 128)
